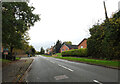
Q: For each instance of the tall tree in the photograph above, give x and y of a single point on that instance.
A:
(42, 51)
(17, 17)
(58, 46)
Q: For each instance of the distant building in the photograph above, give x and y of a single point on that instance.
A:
(66, 47)
(51, 50)
(83, 44)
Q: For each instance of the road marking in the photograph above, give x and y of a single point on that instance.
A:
(66, 68)
(97, 81)
(60, 77)
(52, 61)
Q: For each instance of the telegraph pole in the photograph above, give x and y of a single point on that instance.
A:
(105, 10)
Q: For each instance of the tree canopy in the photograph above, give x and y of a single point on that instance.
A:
(68, 42)
(58, 46)
(17, 18)
(42, 51)
(104, 41)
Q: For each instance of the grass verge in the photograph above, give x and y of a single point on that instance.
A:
(107, 63)
(17, 58)
(47, 55)
(5, 62)
(58, 54)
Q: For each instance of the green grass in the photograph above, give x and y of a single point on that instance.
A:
(47, 55)
(58, 54)
(93, 61)
(4, 60)
(17, 58)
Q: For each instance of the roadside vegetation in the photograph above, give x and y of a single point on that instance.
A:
(46, 55)
(17, 18)
(107, 63)
(58, 54)
(104, 42)
(103, 46)
(75, 53)
(5, 62)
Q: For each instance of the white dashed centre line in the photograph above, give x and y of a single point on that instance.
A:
(97, 81)
(66, 68)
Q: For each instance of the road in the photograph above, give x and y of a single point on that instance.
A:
(48, 69)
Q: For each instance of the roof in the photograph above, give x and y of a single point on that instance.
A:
(82, 41)
(71, 46)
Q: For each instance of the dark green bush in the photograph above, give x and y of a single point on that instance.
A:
(104, 42)
(75, 53)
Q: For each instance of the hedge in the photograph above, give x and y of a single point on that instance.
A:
(75, 53)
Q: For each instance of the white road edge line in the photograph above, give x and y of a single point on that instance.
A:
(66, 68)
(97, 81)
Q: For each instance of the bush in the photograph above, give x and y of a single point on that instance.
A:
(104, 42)
(75, 53)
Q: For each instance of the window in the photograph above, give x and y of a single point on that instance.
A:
(81, 46)
(66, 49)
(62, 49)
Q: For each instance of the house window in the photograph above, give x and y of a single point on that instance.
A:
(66, 49)
(62, 49)
(81, 46)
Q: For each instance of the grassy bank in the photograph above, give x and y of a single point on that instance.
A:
(17, 58)
(107, 63)
(58, 54)
(5, 62)
(47, 55)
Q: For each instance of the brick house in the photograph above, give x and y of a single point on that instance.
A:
(83, 44)
(66, 47)
(51, 50)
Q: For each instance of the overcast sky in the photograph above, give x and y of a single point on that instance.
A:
(66, 20)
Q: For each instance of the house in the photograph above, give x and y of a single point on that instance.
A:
(66, 47)
(83, 44)
(51, 50)
(48, 50)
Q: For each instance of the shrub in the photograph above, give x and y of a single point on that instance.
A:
(76, 52)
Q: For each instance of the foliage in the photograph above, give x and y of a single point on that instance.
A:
(75, 52)
(17, 17)
(58, 54)
(104, 41)
(42, 51)
(114, 64)
(58, 46)
(68, 42)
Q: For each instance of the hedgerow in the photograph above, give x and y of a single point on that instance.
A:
(75, 53)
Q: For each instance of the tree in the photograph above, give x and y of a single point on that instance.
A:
(58, 46)
(68, 42)
(42, 51)
(104, 41)
(17, 17)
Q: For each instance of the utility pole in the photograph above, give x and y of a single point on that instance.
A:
(105, 10)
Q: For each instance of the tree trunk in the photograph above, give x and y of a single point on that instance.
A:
(11, 55)
(11, 49)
